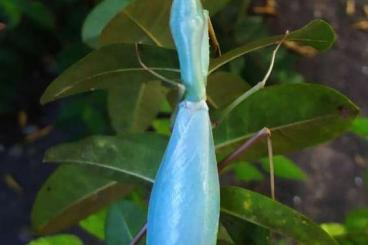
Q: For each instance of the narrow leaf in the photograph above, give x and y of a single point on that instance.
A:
(318, 34)
(263, 211)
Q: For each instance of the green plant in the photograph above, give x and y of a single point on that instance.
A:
(100, 170)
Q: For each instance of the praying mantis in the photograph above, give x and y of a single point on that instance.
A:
(184, 206)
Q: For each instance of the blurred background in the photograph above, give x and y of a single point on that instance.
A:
(40, 39)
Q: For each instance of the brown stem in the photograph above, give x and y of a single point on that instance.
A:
(2, 26)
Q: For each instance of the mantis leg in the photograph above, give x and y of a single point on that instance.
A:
(256, 87)
(263, 133)
(214, 42)
(169, 82)
(180, 87)
(139, 236)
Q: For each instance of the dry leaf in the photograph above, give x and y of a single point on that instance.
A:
(302, 50)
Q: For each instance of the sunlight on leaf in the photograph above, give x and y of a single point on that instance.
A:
(95, 223)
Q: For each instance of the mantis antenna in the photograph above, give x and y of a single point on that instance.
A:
(156, 74)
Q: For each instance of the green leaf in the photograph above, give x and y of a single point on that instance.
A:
(57, 240)
(334, 229)
(244, 232)
(317, 34)
(353, 238)
(224, 87)
(360, 126)
(95, 223)
(124, 220)
(357, 220)
(147, 21)
(109, 67)
(245, 171)
(263, 211)
(129, 158)
(298, 115)
(133, 106)
(71, 194)
(284, 168)
(98, 18)
(162, 126)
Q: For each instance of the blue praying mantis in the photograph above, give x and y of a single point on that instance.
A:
(184, 206)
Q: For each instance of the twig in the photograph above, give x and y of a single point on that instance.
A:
(244, 147)
(139, 236)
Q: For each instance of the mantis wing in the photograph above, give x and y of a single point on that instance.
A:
(184, 205)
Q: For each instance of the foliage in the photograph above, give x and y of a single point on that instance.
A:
(100, 170)
(360, 127)
(57, 240)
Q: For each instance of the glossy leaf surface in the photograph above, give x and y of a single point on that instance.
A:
(315, 114)
(130, 158)
(258, 209)
(71, 194)
(109, 67)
